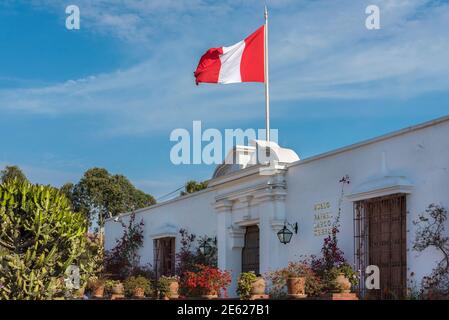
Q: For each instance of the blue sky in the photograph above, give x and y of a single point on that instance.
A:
(109, 94)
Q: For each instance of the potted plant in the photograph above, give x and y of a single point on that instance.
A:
(295, 274)
(79, 293)
(114, 289)
(97, 287)
(207, 282)
(258, 286)
(137, 287)
(346, 278)
(168, 287)
(343, 284)
(284, 278)
(249, 284)
(341, 278)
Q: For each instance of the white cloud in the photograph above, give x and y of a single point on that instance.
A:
(318, 50)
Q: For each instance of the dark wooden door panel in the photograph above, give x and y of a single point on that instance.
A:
(384, 231)
(250, 252)
(164, 256)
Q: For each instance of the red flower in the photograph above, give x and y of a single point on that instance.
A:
(207, 280)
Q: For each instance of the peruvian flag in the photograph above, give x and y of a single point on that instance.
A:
(241, 62)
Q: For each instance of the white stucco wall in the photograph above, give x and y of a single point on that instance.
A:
(192, 212)
(420, 154)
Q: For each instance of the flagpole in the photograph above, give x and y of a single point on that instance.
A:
(267, 88)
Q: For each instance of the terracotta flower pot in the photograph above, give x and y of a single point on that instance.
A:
(138, 293)
(118, 291)
(296, 287)
(80, 292)
(343, 283)
(174, 287)
(211, 294)
(98, 291)
(258, 286)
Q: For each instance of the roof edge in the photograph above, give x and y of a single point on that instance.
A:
(166, 202)
(377, 139)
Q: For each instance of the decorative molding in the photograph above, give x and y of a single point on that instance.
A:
(247, 208)
(278, 179)
(273, 169)
(273, 184)
(246, 199)
(249, 222)
(223, 205)
(269, 194)
(237, 237)
(277, 224)
(381, 187)
(242, 193)
(163, 235)
(167, 230)
(236, 176)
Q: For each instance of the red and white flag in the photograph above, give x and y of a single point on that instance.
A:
(241, 62)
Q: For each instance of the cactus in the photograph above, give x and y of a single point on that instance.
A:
(39, 238)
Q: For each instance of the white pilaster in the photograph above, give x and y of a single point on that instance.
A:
(271, 202)
(230, 241)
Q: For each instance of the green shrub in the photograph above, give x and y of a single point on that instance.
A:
(163, 286)
(108, 285)
(137, 282)
(40, 237)
(244, 283)
(91, 261)
(349, 273)
(94, 283)
(329, 277)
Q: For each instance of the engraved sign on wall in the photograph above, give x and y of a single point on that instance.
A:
(322, 224)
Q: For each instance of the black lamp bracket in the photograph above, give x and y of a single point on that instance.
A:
(294, 226)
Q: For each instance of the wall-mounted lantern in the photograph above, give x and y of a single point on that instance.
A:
(285, 234)
(205, 245)
(205, 248)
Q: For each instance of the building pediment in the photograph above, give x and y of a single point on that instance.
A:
(380, 187)
(259, 152)
(165, 230)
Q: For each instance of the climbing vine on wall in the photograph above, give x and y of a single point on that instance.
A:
(431, 233)
(123, 259)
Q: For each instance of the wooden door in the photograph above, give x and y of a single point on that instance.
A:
(386, 222)
(250, 252)
(168, 257)
(164, 262)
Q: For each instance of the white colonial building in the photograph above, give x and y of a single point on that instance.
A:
(393, 178)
